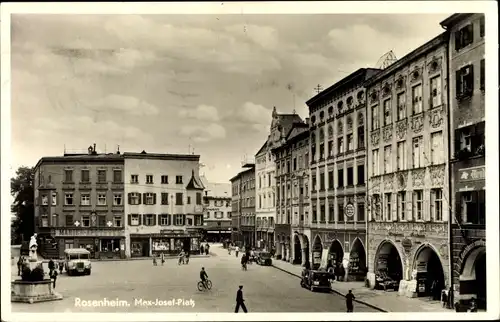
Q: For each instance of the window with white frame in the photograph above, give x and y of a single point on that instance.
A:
(134, 220)
(179, 220)
(164, 179)
(465, 140)
(387, 159)
(134, 178)
(149, 220)
(117, 221)
(340, 144)
(437, 204)
(149, 198)
(45, 200)
(134, 198)
(436, 99)
(350, 142)
(418, 152)
(377, 207)
(101, 199)
(387, 112)
(418, 200)
(388, 209)
(401, 106)
(117, 199)
(417, 99)
(375, 118)
(164, 220)
(375, 162)
(437, 149)
(149, 179)
(401, 155)
(54, 198)
(85, 199)
(402, 205)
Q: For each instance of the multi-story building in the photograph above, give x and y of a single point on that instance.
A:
(164, 203)
(265, 173)
(79, 203)
(243, 206)
(292, 203)
(338, 173)
(217, 211)
(408, 171)
(466, 59)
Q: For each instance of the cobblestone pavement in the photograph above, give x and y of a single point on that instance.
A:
(266, 289)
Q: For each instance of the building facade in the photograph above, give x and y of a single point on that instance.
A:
(292, 195)
(164, 205)
(79, 203)
(338, 175)
(408, 171)
(217, 211)
(466, 59)
(265, 179)
(243, 206)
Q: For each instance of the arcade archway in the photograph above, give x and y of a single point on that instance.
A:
(306, 261)
(297, 250)
(357, 260)
(335, 254)
(388, 264)
(473, 276)
(430, 273)
(317, 252)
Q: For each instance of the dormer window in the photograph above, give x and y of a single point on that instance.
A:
(340, 105)
(321, 115)
(360, 95)
(330, 111)
(349, 101)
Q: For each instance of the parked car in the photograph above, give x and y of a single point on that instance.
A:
(77, 261)
(316, 280)
(263, 258)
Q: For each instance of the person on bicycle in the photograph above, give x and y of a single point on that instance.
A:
(203, 277)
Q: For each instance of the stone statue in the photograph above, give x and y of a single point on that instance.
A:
(33, 246)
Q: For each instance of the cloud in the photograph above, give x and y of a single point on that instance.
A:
(253, 114)
(204, 133)
(264, 36)
(128, 104)
(201, 112)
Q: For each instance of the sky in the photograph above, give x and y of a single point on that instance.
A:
(184, 83)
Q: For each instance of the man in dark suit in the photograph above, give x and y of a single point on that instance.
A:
(240, 301)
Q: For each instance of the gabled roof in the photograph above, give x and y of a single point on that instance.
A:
(297, 129)
(195, 183)
(263, 147)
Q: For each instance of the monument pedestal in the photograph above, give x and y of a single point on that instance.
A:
(32, 292)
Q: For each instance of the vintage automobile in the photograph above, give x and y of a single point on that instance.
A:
(263, 258)
(77, 261)
(316, 280)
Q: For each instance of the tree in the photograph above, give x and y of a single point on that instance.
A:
(21, 188)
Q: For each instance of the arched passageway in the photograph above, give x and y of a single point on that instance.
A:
(388, 265)
(317, 251)
(473, 276)
(335, 254)
(430, 273)
(357, 261)
(306, 261)
(297, 250)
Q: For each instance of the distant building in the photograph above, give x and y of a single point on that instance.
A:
(164, 205)
(408, 171)
(217, 211)
(243, 206)
(292, 195)
(338, 174)
(265, 178)
(466, 59)
(79, 203)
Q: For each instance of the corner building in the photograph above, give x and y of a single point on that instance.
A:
(292, 195)
(164, 203)
(243, 206)
(338, 173)
(79, 203)
(217, 212)
(466, 57)
(265, 179)
(408, 171)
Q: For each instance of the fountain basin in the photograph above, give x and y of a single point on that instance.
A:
(33, 292)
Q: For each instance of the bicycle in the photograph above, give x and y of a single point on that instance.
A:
(204, 286)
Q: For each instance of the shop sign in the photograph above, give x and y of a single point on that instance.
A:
(349, 210)
(87, 232)
(472, 174)
(172, 232)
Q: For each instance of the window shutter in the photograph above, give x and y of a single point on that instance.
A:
(471, 77)
(154, 218)
(458, 87)
(183, 220)
(129, 217)
(129, 198)
(144, 198)
(169, 220)
(140, 219)
(139, 198)
(470, 28)
(154, 198)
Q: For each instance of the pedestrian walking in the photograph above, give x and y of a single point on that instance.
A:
(52, 266)
(155, 263)
(162, 259)
(61, 266)
(186, 258)
(348, 301)
(237, 250)
(240, 302)
(53, 277)
(444, 298)
(181, 257)
(207, 249)
(202, 250)
(433, 290)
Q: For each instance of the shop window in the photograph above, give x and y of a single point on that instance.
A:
(161, 245)
(85, 221)
(69, 243)
(109, 245)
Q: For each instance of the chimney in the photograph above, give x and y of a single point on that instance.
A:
(308, 121)
(95, 152)
(118, 150)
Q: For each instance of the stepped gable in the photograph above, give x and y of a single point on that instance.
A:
(195, 183)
